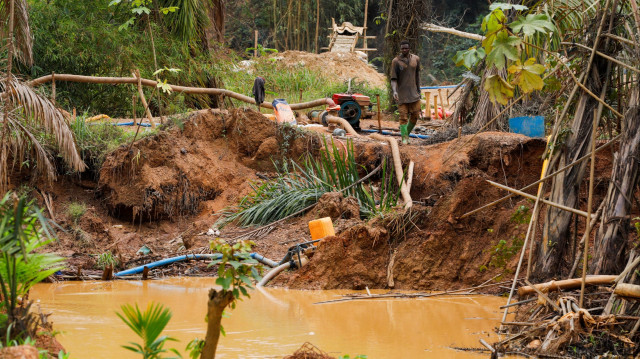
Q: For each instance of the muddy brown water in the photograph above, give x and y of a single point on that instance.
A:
(273, 323)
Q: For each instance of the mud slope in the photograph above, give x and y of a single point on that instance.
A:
(441, 253)
(213, 158)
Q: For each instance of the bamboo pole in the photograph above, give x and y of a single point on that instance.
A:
(133, 104)
(627, 66)
(427, 108)
(255, 43)
(437, 28)
(578, 161)
(585, 252)
(435, 105)
(317, 22)
(53, 88)
(175, 88)
(379, 114)
(143, 100)
(523, 194)
(555, 285)
(364, 31)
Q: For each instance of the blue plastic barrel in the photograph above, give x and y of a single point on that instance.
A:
(532, 126)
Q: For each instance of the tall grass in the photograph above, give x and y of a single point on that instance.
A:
(96, 141)
(298, 186)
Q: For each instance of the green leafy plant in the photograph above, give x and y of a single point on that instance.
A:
(148, 325)
(347, 356)
(24, 230)
(195, 348)
(236, 268)
(505, 47)
(262, 51)
(75, 210)
(298, 186)
(107, 260)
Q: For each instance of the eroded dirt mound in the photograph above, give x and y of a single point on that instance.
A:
(340, 65)
(214, 157)
(440, 252)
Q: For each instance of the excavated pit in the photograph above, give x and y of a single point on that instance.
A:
(177, 182)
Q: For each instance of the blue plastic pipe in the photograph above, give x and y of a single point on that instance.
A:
(136, 270)
(424, 137)
(131, 124)
(439, 87)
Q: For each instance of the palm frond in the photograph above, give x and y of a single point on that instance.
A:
(190, 20)
(21, 140)
(42, 112)
(23, 39)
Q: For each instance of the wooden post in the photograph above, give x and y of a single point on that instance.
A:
(53, 88)
(379, 120)
(435, 106)
(135, 117)
(585, 252)
(448, 101)
(366, 9)
(441, 101)
(145, 273)
(144, 100)
(255, 44)
(317, 22)
(427, 107)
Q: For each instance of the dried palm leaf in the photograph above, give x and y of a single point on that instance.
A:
(21, 140)
(42, 112)
(23, 39)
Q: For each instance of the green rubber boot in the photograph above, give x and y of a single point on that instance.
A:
(410, 127)
(405, 134)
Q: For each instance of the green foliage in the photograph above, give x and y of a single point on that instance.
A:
(195, 348)
(502, 252)
(359, 356)
(107, 259)
(261, 50)
(505, 45)
(470, 57)
(298, 186)
(23, 230)
(75, 210)
(96, 140)
(522, 215)
(147, 325)
(236, 268)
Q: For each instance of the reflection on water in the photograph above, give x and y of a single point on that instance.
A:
(273, 323)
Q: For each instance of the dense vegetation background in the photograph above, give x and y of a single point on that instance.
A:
(87, 37)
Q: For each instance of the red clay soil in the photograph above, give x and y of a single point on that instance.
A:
(169, 189)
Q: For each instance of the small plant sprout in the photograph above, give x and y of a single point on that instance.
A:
(76, 210)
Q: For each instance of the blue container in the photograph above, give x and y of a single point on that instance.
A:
(532, 126)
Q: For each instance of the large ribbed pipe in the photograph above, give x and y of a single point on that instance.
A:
(184, 89)
(342, 122)
(397, 165)
(275, 271)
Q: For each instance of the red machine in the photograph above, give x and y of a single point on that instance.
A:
(353, 107)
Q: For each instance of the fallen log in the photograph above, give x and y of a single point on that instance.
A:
(627, 290)
(566, 284)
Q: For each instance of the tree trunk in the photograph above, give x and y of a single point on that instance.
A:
(215, 31)
(317, 23)
(218, 301)
(485, 109)
(565, 187)
(611, 241)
